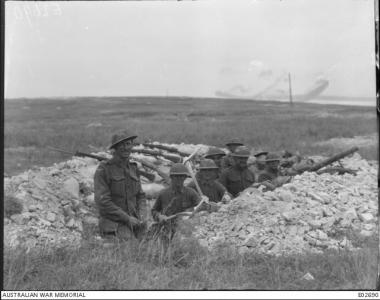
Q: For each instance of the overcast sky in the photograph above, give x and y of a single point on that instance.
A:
(186, 48)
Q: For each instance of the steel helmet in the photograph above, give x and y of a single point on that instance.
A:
(120, 137)
(272, 157)
(207, 164)
(234, 142)
(179, 169)
(214, 152)
(260, 153)
(241, 151)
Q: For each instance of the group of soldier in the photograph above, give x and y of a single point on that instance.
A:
(220, 177)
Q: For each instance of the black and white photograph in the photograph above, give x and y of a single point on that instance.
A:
(215, 146)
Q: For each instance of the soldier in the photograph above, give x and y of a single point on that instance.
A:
(259, 164)
(172, 200)
(118, 192)
(270, 177)
(228, 160)
(238, 177)
(216, 155)
(206, 178)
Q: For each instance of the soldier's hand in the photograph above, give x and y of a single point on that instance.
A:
(162, 218)
(226, 198)
(204, 198)
(134, 221)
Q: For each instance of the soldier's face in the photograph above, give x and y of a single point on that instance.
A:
(260, 161)
(273, 165)
(217, 159)
(241, 162)
(232, 148)
(208, 174)
(124, 149)
(178, 180)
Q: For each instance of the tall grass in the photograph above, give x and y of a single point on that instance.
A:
(187, 266)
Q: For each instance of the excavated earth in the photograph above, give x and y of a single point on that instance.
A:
(311, 213)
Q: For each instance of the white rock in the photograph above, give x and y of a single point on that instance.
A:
(51, 217)
(366, 233)
(366, 217)
(308, 277)
(368, 227)
(71, 186)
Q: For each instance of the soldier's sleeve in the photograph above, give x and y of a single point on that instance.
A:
(263, 177)
(221, 190)
(140, 197)
(191, 185)
(223, 178)
(194, 197)
(103, 198)
(157, 207)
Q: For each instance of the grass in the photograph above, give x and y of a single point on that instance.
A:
(32, 125)
(132, 266)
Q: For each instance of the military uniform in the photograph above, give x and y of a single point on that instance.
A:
(267, 175)
(118, 195)
(212, 189)
(236, 180)
(170, 202)
(227, 162)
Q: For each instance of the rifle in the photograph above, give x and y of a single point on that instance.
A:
(171, 157)
(323, 163)
(147, 175)
(167, 148)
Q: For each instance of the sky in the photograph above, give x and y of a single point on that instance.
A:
(187, 48)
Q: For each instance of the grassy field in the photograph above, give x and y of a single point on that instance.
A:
(187, 267)
(86, 125)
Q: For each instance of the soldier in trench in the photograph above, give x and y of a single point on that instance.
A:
(238, 177)
(207, 179)
(118, 192)
(228, 160)
(174, 199)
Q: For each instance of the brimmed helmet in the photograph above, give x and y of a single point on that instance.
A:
(179, 169)
(260, 153)
(272, 157)
(234, 142)
(241, 151)
(214, 152)
(120, 137)
(207, 164)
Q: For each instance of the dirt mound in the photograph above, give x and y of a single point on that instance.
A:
(304, 215)
(58, 201)
(58, 205)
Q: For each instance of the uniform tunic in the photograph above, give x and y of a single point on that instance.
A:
(118, 194)
(170, 202)
(227, 162)
(212, 189)
(236, 180)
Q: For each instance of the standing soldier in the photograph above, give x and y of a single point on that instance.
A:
(118, 191)
(210, 187)
(228, 160)
(238, 177)
(172, 200)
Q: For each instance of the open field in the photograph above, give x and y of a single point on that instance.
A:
(86, 125)
(187, 267)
